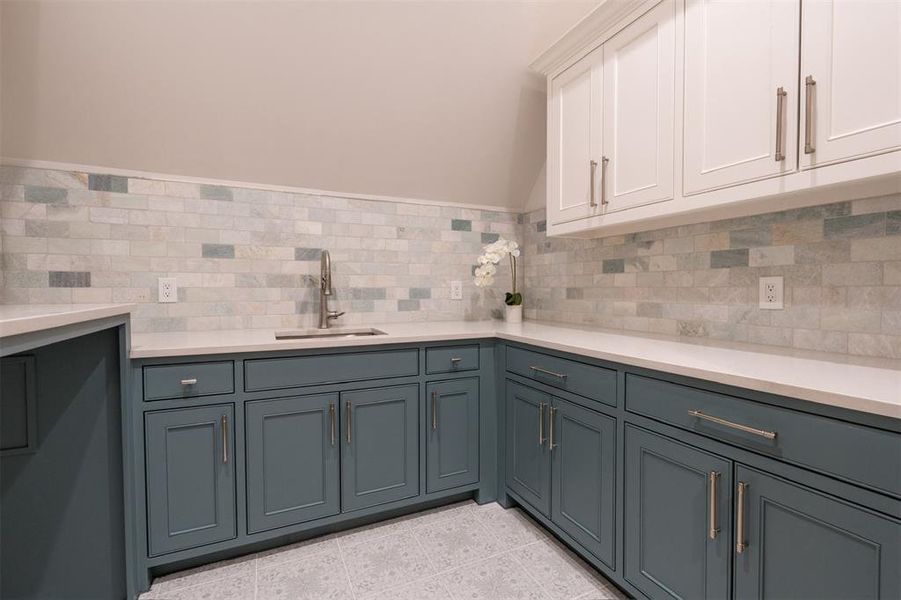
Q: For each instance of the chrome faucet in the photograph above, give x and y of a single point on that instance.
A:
(325, 290)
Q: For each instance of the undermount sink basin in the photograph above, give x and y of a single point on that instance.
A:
(308, 334)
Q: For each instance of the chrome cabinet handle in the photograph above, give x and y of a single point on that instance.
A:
(591, 200)
(770, 435)
(809, 89)
(546, 372)
(604, 161)
(350, 413)
(552, 413)
(455, 362)
(331, 423)
(192, 381)
(541, 406)
(434, 411)
(224, 424)
(780, 128)
(714, 477)
(740, 544)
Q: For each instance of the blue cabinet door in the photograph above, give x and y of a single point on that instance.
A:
(380, 446)
(292, 460)
(528, 458)
(452, 417)
(671, 505)
(799, 543)
(582, 443)
(190, 477)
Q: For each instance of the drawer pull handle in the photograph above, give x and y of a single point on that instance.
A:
(546, 372)
(770, 435)
(192, 381)
(456, 361)
(541, 438)
(552, 415)
(714, 476)
(224, 424)
(434, 411)
(331, 424)
(740, 544)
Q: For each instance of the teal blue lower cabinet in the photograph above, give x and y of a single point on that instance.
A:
(292, 460)
(380, 452)
(190, 477)
(528, 460)
(452, 417)
(677, 518)
(794, 542)
(582, 444)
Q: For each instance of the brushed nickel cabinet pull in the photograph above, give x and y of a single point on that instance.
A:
(434, 411)
(604, 161)
(546, 372)
(331, 423)
(809, 90)
(780, 128)
(770, 435)
(541, 406)
(714, 476)
(224, 423)
(192, 381)
(741, 545)
(455, 361)
(552, 415)
(350, 414)
(591, 200)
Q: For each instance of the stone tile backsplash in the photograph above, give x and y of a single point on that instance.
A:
(249, 258)
(841, 265)
(244, 258)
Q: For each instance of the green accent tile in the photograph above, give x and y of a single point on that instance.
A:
(461, 225)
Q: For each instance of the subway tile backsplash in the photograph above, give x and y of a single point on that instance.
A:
(841, 265)
(248, 257)
(243, 257)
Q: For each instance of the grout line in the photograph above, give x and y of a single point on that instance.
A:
(350, 583)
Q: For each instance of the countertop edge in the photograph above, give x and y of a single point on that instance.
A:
(36, 323)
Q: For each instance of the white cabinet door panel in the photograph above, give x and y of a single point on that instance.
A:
(852, 50)
(639, 70)
(574, 136)
(738, 53)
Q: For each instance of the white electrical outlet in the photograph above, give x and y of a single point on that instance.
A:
(456, 290)
(168, 289)
(771, 293)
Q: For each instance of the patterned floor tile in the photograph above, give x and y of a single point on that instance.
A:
(511, 527)
(317, 577)
(385, 562)
(498, 578)
(296, 551)
(454, 542)
(231, 588)
(243, 566)
(562, 575)
(429, 589)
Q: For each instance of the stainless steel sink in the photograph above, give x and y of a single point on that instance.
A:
(309, 334)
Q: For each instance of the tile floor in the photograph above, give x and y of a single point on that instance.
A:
(456, 552)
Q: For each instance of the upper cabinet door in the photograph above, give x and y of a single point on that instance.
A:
(639, 65)
(851, 77)
(574, 140)
(741, 91)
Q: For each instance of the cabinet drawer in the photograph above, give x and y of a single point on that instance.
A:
(189, 380)
(586, 380)
(450, 359)
(298, 371)
(856, 453)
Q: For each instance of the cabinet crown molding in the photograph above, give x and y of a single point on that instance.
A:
(588, 33)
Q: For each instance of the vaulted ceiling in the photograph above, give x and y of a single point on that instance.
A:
(430, 100)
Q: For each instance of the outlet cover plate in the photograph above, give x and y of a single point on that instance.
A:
(456, 290)
(772, 293)
(167, 290)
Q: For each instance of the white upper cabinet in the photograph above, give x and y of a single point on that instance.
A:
(851, 72)
(574, 140)
(639, 94)
(741, 91)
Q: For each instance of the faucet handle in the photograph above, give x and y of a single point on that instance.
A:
(334, 314)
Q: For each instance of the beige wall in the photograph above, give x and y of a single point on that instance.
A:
(429, 100)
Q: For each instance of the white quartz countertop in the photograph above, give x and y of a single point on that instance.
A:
(838, 382)
(16, 319)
